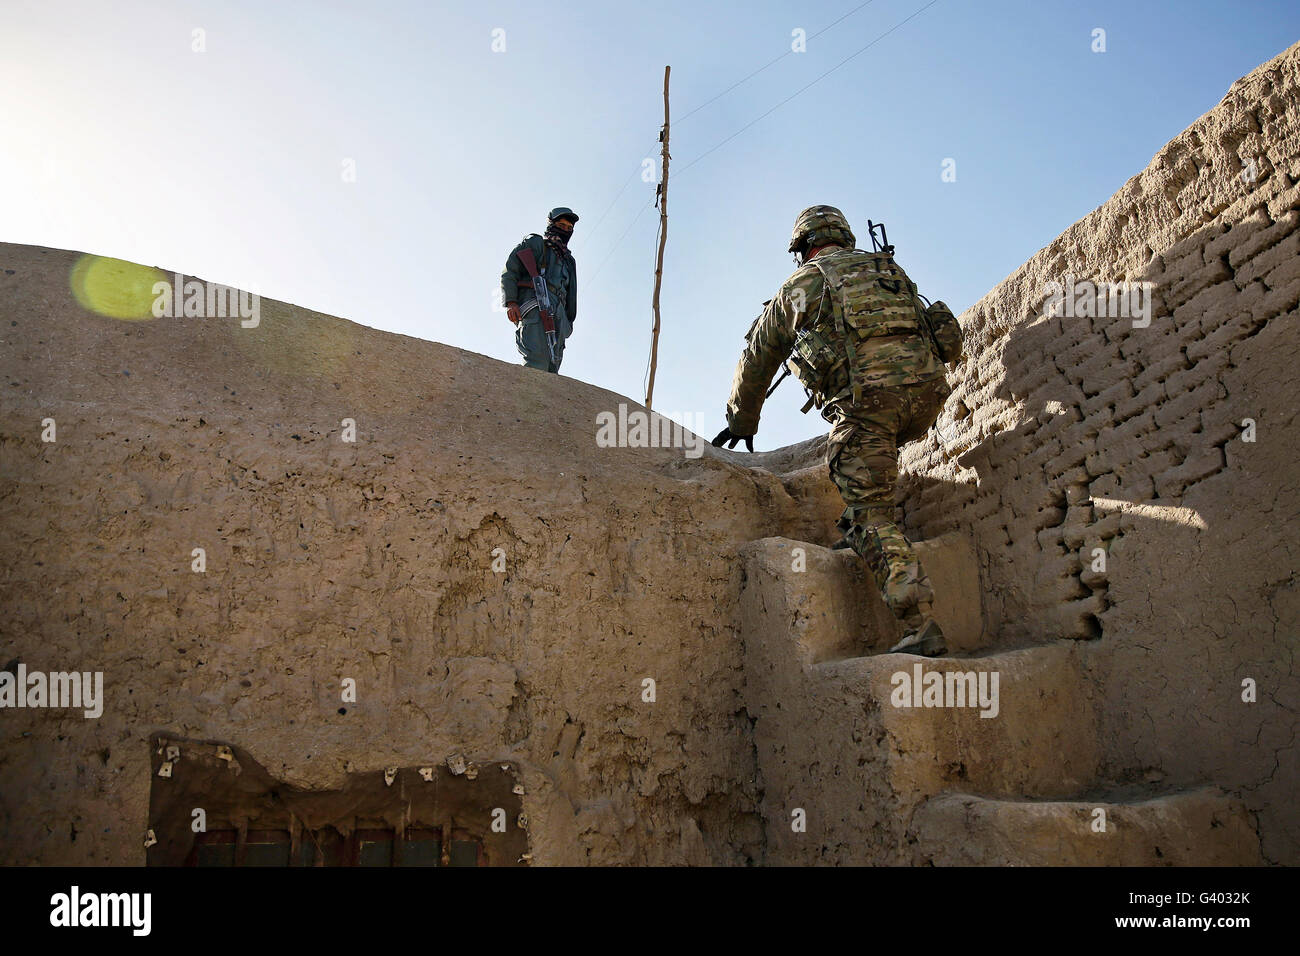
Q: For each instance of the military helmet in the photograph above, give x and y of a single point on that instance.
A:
(562, 212)
(819, 225)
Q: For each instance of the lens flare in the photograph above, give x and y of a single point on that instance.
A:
(117, 289)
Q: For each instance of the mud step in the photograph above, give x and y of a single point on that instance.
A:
(834, 730)
(841, 736)
(835, 610)
(1198, 827)
(1019, 723)
(818, 504)
(1012, 723)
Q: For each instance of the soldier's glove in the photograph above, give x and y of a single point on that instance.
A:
(725, 437)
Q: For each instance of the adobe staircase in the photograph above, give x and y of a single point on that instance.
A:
(881, 784)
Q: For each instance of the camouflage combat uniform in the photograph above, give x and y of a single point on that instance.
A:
(895, 394)
(556, 263)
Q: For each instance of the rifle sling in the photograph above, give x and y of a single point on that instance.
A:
(526, 257)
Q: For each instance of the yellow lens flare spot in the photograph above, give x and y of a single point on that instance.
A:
(117, 289)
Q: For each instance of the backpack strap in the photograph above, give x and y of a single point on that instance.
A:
(836, 284)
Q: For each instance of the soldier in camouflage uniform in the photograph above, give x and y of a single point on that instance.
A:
(854, 332)
(554, 261)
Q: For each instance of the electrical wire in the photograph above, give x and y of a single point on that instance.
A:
(614, 247)
(588, 233)
(806, 87)
(622, 189)
(751, 123)
(773, 62)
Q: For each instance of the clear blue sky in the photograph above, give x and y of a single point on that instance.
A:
(118, 139)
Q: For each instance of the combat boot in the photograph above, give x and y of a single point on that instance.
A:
(926, 640)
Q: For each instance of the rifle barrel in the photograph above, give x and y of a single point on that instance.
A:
(780, 379)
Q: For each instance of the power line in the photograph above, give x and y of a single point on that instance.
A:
(614, 247)
(622, 189)
(807, 86)
(751, 123)
(589, 232)
(769, 63)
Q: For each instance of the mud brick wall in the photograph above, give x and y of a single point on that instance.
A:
(371, 561)
(1067, 434)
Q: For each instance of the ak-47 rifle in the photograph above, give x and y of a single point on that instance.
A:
(779, 379)
(543, 296)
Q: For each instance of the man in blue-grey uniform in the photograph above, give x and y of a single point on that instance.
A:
(539, 287)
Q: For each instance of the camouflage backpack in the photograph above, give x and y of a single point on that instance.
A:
(871, 297)
(944, 331)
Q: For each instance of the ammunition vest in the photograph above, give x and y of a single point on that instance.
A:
(868, 331)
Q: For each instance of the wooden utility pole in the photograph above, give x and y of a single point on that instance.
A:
(661, 200)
